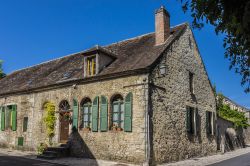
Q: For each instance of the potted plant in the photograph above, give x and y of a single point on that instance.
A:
(114, 127)
(87, 128)
(67, 116)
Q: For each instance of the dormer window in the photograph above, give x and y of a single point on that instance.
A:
(95, 60)
(91, 66)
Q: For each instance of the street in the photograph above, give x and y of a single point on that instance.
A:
(243, 160)
(19, 161)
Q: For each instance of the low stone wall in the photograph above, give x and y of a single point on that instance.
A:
(229, 138)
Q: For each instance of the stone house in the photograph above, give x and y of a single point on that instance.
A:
(145, 99)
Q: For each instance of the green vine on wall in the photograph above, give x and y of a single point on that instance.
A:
(238, 118)
(50, 120)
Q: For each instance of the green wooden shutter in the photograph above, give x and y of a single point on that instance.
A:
(128, 112)
(214, 124)
(2, 118)
(104, 114)
(95, 114)
(14, 117)
(207, 122)
(188, 118)
(75, 113)
(20, 141)
(197, 125)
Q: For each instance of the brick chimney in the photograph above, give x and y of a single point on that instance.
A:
(162, 25)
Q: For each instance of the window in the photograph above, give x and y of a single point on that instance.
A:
(91, 66)
(25, 124)
(192, 120)
(210, 122)
(191, 82)
(117, 112)
(8, 117)
(86, 108)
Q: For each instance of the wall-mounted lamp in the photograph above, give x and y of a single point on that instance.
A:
(163, 69)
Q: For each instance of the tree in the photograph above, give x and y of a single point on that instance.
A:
(2, 74)
(232, 18)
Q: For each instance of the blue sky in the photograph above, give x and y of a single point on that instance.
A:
(32, 32)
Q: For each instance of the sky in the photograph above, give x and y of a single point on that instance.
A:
(35, 31)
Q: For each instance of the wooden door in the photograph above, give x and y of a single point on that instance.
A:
(64, 129)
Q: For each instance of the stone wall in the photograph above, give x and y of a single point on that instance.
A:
(170, 96)
(229, 138)
(110, 145)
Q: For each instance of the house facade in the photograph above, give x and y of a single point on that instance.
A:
(142, 100)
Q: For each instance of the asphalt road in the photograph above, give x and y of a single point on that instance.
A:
(243, 160)
(18, 161)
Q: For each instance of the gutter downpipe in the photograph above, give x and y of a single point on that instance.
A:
(147, 137)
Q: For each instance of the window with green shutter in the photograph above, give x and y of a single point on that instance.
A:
(104, 114)
(2, 118)
(192, 120)
(95, 114)
(208, 122)
(86, 111)
(25, 124)
(117, 112)
(128, 112)
(75, 113)
(14, 117)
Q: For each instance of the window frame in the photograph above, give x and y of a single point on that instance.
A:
(191, 82)
(91, 65)
(119, 113)
(88, 104)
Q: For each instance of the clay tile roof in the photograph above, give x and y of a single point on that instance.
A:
(129, 55)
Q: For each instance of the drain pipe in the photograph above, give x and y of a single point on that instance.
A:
(147, 141)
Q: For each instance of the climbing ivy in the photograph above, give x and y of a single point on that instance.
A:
(50, 120)
(238, 118)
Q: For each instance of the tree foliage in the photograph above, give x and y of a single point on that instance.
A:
(232, 18)
(2, 74)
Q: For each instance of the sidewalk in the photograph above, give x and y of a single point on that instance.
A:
(210, 159)
(90, 162)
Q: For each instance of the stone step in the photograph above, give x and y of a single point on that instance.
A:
(64, 145)
(42, 156)
(61, 151)
(50, 153)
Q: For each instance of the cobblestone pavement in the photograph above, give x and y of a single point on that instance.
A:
(208, 160)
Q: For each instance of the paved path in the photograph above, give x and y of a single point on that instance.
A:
(216, 159)
(243, 160)
(20, 161)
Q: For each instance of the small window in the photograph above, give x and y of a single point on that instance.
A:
(191, 82)
(86, 108)
(91, 66)
(25, 124)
